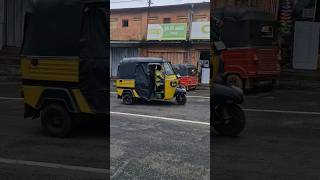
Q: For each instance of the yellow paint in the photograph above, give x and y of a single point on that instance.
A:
(32, 95)
(51, 69)
(169, 90)
(214, 65)
(81, 101)
(120, 92)
(135, 94)
(125, 83)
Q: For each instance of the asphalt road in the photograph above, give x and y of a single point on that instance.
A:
(83, 156)
(162, 140)
(280, 143)
(158, 147)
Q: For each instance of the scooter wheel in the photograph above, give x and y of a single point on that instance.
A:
(181, 99)
(235, 123)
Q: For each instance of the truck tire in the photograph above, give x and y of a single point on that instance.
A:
(56, 121)
(235, 80)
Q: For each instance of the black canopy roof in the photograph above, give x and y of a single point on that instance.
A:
(54, 27)
(127, 67)
(135, 60)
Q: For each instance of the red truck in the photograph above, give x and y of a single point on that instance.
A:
(251, 56)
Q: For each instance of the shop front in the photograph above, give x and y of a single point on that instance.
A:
(120, 50)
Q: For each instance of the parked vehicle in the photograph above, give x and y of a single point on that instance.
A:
(64, 63)
(251, 56)
(226, 116)
(189, 76)
(137, 80)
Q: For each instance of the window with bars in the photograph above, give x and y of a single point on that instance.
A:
(125, 23)
(166, 20)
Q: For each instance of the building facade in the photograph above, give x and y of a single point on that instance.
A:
(271, 6)
(11, 22)
(135, 32)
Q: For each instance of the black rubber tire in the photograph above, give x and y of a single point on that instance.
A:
(56, 121)
(236, 123)
(181, 99)
(235, 80)
(127, 99)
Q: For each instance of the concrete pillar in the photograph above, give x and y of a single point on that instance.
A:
(2, 23)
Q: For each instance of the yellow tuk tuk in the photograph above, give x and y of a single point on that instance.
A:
(137, 79)
(64, 63)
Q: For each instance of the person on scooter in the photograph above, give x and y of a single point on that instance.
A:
(227, 117)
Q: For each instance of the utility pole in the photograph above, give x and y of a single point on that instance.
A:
(316, 13)
(148, 13)
(190, 14)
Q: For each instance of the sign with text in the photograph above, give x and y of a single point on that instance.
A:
(200, 30)
(165, 32)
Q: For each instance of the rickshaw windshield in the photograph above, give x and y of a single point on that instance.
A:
(253, 27)
(168, 69)
(192, 71)
(183, 71)
(249, 33)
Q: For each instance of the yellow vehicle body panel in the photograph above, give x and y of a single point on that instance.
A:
(32, 95)
(125, 83)
(169, 90)
(57, 69)
(81, 101)
(51, 69)
(120, 92)
(129, 84)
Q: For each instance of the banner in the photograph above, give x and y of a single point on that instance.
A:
(165, 32)
(200, 30)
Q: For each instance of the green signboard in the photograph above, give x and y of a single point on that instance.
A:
(163, 32)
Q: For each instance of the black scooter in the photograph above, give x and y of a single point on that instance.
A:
(227, 117)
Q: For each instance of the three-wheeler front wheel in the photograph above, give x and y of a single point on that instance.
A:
(181, 99)
(56, 120)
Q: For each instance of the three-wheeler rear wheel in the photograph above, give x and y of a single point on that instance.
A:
(127, 99)
(56, 120)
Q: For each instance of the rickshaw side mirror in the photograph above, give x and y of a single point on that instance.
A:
(178, 76)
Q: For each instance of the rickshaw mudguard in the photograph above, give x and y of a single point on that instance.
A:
(121, 91)
(58, 95)
(180, 90)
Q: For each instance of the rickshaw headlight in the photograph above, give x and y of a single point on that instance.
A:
(173, 83)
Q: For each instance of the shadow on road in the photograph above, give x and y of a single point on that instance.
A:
(90, 128)
(142, 102)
